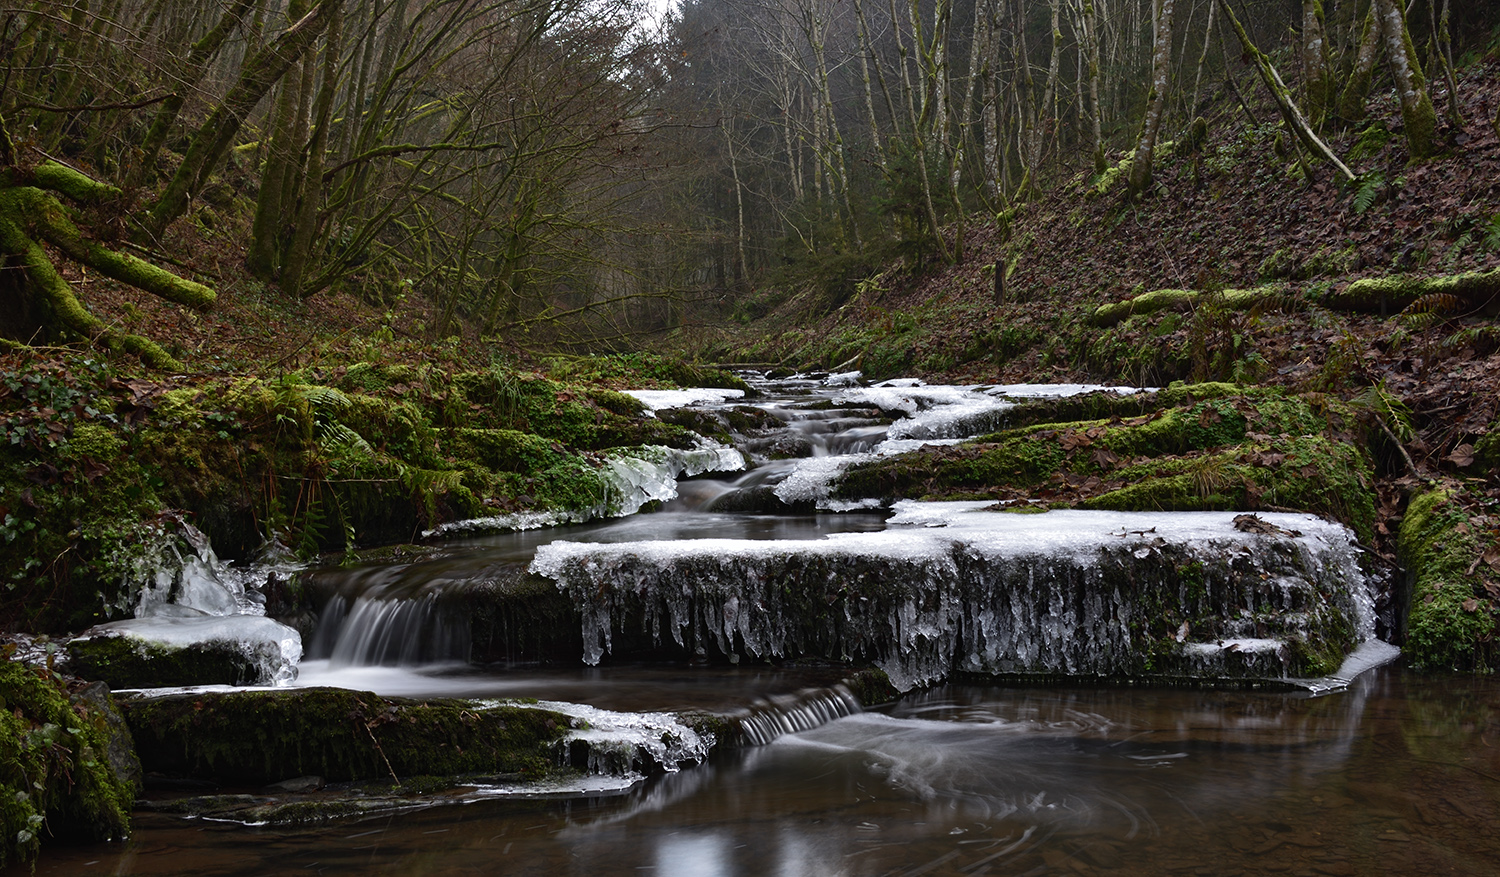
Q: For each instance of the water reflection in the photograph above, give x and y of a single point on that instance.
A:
(1398, 775)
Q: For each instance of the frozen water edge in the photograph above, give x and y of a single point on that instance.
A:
(951, 586)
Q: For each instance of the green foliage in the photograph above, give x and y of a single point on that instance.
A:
(1370, 142)
(55, 777)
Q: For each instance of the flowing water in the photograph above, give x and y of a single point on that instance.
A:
(1396, 774)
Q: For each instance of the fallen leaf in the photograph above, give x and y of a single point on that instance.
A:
(1462, 456)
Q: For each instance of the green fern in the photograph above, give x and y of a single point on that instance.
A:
(1368, 188)
(1492, 233)
(1389, 408)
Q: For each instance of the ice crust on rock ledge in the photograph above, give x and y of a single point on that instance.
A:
(633, 745)
(273, 648)
(658, 400)
(629, 479)
(951, 587)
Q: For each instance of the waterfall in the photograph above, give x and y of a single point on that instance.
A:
(794, 713)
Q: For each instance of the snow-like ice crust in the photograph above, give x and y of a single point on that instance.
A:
(950, 586)
(931, 415)
(631, 744)
(272, 646)
(629, 479)
(658, 400)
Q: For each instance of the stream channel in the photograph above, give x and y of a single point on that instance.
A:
(1380, 771)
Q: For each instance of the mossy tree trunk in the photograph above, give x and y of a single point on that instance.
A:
(1156, 103)
(30, 215)
(1315, 75)
(282, 154)
(187, 77)
(309, 211)
(1352, 100)
(1417, 114)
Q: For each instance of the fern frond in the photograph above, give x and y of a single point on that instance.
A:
(1435, 302)
(1369, 187)
(323, 398)
(1417, 322)
(338, 440)
(1492, 233)
(1389, 408)
(1473, 336)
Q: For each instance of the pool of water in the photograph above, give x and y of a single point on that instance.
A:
(1398, 775)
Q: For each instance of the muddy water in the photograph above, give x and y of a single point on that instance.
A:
(1398, 775)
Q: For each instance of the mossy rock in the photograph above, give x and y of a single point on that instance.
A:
(1452, 620)
(56, 779)
(262, 737)
(130, 662)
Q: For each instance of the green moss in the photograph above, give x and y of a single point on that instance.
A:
(55, 778)
(267, 736)
(1179, 299)
(1451, 623)
(1393, 293)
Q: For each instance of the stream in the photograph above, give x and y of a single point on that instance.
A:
(1389, 773)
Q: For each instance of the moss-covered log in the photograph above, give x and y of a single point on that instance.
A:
(1393, 294)
(1178, 299)
(29, 216)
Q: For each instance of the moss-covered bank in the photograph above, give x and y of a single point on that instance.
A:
(57, 781)
(95, 461)
(1209, 447)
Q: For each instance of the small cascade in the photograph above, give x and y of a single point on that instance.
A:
(390, 632)
(793, 713)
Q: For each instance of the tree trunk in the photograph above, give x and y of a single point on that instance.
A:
(1091, 51)
(1161, 67)
(1316, 80)
(309, 211)
(186, 78)
(211, 144)
(282, 151)
(1352, 100)
(1417, 114)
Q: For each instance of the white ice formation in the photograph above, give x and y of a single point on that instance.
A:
(269, 650)
(951, 587)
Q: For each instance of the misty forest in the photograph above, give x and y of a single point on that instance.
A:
(750, 436)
